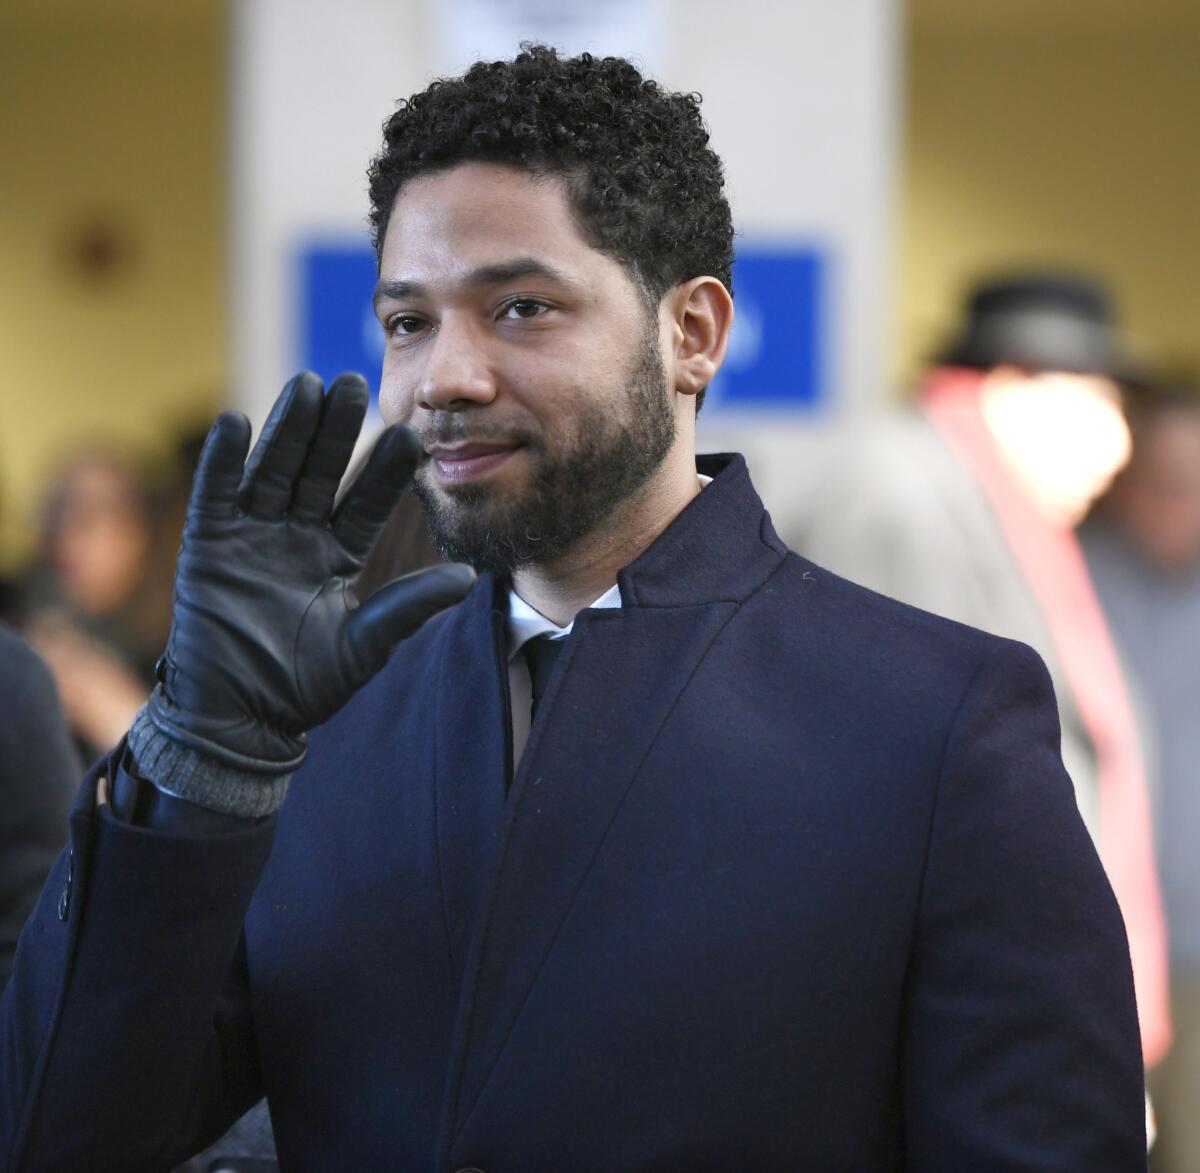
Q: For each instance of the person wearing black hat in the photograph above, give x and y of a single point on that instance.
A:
(965, 506)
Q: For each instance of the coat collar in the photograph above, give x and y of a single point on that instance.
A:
(720, 547)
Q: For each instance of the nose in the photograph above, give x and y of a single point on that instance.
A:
(457, 373)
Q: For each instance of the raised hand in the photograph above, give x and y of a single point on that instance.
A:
(266, 638)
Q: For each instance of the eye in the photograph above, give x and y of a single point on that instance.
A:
(404, 324)
(523, 308)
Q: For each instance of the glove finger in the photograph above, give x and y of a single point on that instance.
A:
(219, 469)
(271, 471)
(396, 610)
(342, 415)
(372, 497)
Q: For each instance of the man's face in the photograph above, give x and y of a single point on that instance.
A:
(527, 361)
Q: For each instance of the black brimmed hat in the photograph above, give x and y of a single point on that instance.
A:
(1042, 322)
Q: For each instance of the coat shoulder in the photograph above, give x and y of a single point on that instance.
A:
(869, 633)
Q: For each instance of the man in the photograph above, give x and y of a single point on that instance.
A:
(778, 873)
(38, 771)
(1143, 549)
(966, 506)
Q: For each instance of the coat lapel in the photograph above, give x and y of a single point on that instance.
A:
(471, 760)
(610, 696)
(615, 685)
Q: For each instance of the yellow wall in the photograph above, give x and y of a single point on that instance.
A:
(1067, 145)
(123, 120)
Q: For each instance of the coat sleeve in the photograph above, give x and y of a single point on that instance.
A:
(1020, 1035)
(125, 1034)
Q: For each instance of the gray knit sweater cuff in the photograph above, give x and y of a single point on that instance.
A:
(195, 777)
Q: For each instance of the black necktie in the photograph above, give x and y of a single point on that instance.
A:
(540, 653)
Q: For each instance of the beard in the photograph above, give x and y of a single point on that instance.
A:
(615, 444)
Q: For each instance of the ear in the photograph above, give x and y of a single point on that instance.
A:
(701, 315)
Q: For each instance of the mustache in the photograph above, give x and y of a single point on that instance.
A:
(458, 429)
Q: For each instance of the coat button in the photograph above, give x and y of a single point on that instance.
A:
(64, 900)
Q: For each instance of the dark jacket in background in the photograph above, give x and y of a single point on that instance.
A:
(39, 774)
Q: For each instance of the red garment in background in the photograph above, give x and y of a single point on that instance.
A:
(1052, 562)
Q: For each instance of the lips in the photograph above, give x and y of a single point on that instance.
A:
(467, 462)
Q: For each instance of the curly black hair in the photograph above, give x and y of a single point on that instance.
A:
(645, 187)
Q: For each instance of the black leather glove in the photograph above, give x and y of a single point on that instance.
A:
(266, 638)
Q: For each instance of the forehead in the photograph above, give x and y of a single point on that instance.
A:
(478, 214)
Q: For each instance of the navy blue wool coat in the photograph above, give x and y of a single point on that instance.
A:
(790, 876)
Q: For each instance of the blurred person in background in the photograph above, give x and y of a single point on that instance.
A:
(39, 773)
(92, 607)
(966, 505)
(1143, 547)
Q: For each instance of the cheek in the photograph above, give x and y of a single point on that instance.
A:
(396, 398)
(555, 384)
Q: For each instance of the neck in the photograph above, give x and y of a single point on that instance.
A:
(560, 589)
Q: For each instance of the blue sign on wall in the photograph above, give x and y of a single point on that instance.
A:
(777, 351)
(777, 356)
(338, 328)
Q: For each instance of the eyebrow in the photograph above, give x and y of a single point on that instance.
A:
(485, 275)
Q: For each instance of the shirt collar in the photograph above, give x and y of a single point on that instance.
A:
(524, 622)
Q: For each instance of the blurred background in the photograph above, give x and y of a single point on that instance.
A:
(182, 218)
(156, 160)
